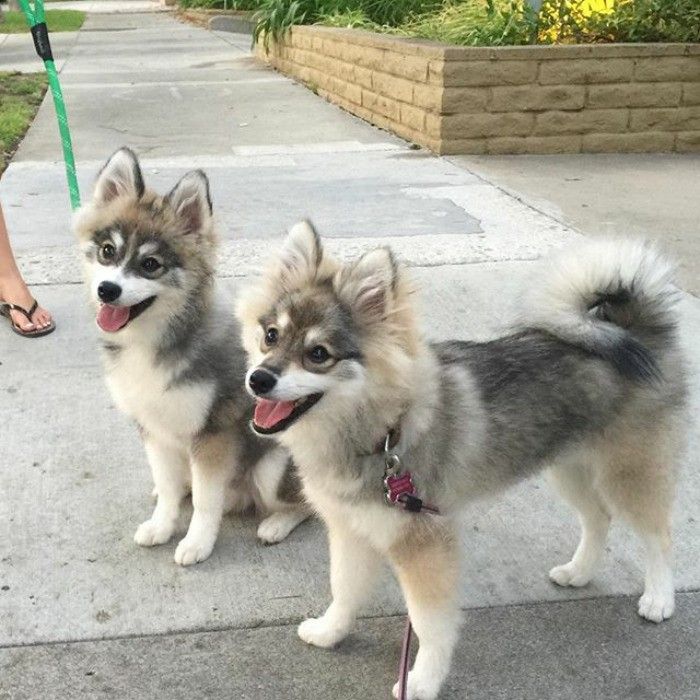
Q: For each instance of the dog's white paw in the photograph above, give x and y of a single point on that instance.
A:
(318, 632)
(192, 550)
(657, 607)
(277, 526)
(153, 532)
(569, 575)
(418, 688)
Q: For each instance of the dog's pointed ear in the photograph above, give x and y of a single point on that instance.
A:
(368, 285)
(302, 252)
(120, 177)
(191, 201)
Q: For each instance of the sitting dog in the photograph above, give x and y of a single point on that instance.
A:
(591, 388)
(173, 358)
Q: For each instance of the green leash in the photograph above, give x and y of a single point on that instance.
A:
(37, 23)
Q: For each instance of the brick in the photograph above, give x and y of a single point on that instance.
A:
(461, 100)
(534, 144)
(325, 64)
(296, 55)
(667, 69)
(634, 95)
(583, 122)
(304, 41)
(341, 69)
(364, 56)
(406, 132)
(678, 119)
(691, 94)
(333, 48)
(476, 73)
(413, 117)
(537, 98)
(688, 141)
(462, 146)
(650, 142)
(416, 47)
(411, 67)
(311, 76)
(384, 106)
(568, 51)
(391, 86)
(433, 125)
(428, 96)
(363, 76)
(348, 91)
(486, 124)
(586, 71)
(351, 107)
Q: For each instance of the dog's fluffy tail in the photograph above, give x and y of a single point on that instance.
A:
(615, 299)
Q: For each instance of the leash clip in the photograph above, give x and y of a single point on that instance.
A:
(398, 485)
(399, 489)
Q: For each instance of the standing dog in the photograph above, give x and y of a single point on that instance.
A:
(167, 343)
(592, 388)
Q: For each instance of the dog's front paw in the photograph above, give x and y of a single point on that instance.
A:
(657, 607)
(191, 550)
(319, 632)
(277, 526)
(153, 532)
(569, 575)
(418, 688)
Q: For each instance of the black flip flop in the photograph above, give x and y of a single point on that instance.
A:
(6, 308)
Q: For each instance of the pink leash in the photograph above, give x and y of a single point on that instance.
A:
(405, 659)
(400, 491)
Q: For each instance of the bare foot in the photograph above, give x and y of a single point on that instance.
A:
(15, 291)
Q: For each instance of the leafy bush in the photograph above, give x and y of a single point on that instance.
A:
(626, 21)
(276, 16)
(492, 22)
(477, 23)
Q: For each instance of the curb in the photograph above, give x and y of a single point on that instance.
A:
(227, 23)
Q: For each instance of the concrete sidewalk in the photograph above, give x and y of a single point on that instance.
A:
(84, 612)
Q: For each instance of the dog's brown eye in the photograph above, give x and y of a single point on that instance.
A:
(271, 336)
(319, 354)
(150, 265)
(108, 251)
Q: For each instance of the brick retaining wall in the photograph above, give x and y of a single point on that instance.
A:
(524, 99)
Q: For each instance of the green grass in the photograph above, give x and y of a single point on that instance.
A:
(20, 97)
(13, 22)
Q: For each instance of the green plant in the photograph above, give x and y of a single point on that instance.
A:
(356, 19)
(275, 17)
(477, 23)
(649, 20)
(492, 22)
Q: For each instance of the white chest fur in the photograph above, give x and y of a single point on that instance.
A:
(377, 523)
(144, 391)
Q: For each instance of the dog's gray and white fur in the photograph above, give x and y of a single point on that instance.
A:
(591, 388)
(177, 366)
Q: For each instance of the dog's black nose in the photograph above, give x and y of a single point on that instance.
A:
(261, 381)
(108, 292)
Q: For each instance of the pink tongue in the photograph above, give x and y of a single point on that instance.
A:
(269, 413)
(112, 318)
